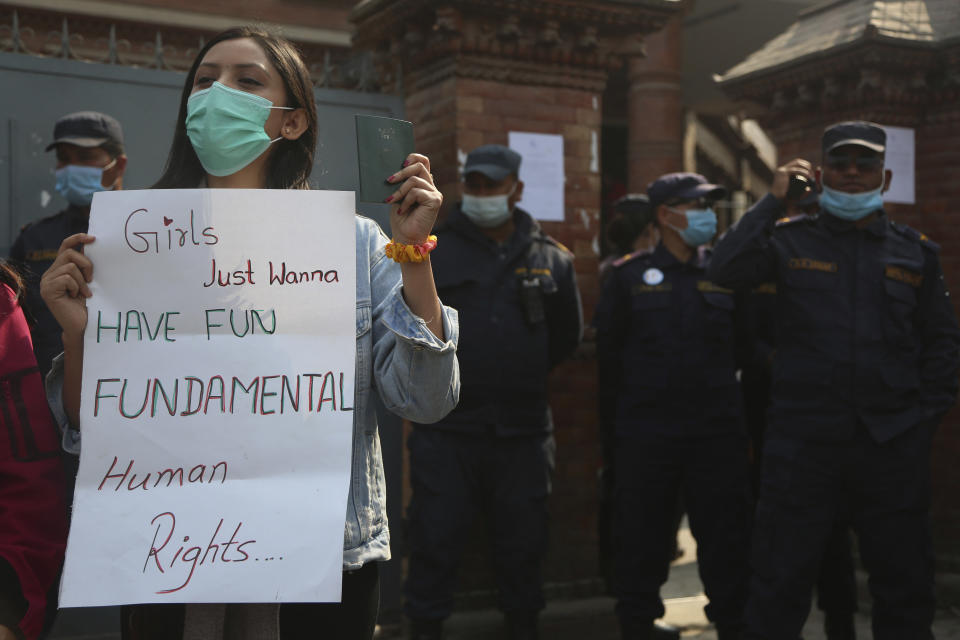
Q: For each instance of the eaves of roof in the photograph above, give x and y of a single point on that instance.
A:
(828, 29)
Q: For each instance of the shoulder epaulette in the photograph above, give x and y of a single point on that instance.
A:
(788, 220)
(557, 244)
(622, 260)
(41, 221)
(913, 234)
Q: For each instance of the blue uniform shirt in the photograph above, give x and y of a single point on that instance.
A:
(865, 329)
(667, 344)
(32, 253)
(520, 315)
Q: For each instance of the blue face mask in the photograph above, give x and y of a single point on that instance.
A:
(78, 183)
(225, 127)
(701, 226)
(851, 206)
(487, 211)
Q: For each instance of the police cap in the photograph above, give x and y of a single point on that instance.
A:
(635, 206)
(87, 129)
(494, 161)
(632, 203)
(682, 186)
(856, 132)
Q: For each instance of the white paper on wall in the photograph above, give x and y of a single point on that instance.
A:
(900, 158)
(542, 173)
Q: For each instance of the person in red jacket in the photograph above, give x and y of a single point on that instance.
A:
(33, 513)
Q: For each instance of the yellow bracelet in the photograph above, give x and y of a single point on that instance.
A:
(410, 252)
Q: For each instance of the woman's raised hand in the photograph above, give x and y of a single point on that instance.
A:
(416, 202)
(64, 286)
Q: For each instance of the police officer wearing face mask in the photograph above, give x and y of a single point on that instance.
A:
(667, 337)
(868, 350)
(90, 158)
(836, 583)
(520, 315)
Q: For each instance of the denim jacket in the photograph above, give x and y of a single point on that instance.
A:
(416, 374)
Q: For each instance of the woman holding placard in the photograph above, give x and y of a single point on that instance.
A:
(247, 120)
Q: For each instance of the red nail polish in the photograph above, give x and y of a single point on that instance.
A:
(406, 162)
(389, 199)
(390, 179)
(399, 212)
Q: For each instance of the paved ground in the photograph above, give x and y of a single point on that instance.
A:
(588, 618)
(593, 618)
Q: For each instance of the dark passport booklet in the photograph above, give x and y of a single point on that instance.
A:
(382, 146)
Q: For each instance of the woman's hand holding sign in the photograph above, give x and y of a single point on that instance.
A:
(64, 288)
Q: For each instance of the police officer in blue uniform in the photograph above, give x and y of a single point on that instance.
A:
(630, 229)
(758, 309)
(867, 355)
(836, 585)
(89, 157)
(669, 335)
(516, 293)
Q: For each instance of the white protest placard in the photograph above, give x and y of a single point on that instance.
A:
(541, 171)
(899, 157)
(217, 399)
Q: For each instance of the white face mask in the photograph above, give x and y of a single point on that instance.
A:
(487, 211)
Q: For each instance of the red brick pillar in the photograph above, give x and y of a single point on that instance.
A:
(471, 72)
(655, 107)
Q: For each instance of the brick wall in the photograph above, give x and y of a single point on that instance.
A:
(331, 14)
(455, 116)
(938, 197)
(434, 110)
(656, 109)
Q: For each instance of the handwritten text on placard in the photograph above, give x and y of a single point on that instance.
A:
(217, 401)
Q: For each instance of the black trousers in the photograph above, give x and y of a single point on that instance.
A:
(456, 477)
(353, 618)
(711, 475)
(836, 584)
(884, 490)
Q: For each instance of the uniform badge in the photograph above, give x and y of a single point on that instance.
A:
(653, 276)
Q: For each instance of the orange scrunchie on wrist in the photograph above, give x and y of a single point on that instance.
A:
(410, 252)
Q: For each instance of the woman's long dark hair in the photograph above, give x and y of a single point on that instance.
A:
(290, 163)
(11, 278)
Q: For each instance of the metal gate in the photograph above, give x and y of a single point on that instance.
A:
(35, 91)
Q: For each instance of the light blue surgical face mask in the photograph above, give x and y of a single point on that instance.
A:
(78, 183)
(225, 127)
(487, 211)
(701, 226)
(851, 206)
